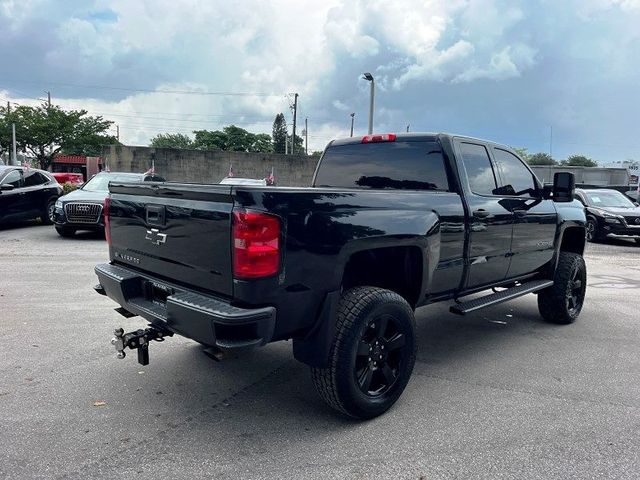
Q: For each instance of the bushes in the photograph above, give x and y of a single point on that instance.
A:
(69, 187)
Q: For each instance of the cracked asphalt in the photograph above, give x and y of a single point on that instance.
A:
(496, 394)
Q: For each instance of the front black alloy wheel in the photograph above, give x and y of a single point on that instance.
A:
(65, 232)
(372, 354)
(592, 230)
(562, 302)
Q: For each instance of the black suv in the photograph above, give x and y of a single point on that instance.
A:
(27, 193)
(82, 208)
(609, 212)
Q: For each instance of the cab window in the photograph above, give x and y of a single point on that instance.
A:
(516, 178)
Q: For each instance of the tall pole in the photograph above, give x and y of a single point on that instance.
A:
(295, 108)
(551, 141)
(408, 127)
(118, 132)
(306, 136)
(369, 77)
(352, 115)
(8, 106)
(13, 144)
(49, 98)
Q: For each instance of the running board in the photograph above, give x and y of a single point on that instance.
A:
(500, 297)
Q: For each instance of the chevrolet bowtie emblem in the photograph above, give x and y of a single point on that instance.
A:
(155, 237)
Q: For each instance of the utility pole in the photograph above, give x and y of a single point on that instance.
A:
(551, 141)
(48, 98)
(8, 106)
(295, 108)
(118, 132)
(306, 137)
(13, 145)
(352, 115)
(408, 127)
(367, 76)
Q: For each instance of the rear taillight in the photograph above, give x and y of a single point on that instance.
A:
(385, 137)
(256, 244)
(107, 219)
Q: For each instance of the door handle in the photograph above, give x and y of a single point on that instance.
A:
(481, 213)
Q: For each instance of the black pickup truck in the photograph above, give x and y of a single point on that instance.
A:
(391, 223)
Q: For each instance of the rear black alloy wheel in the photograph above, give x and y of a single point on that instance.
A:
(562, 302)
(380, 355)
(372, 354)
(592, 230)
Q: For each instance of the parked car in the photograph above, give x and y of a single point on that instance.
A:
(27, 193)
(609, 212)
(243, 181)
(73, 178)
(391, 223)
(82, 208)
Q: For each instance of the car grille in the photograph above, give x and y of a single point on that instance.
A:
(633, 221)
(83, 212)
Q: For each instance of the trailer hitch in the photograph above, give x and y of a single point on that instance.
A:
(138, 340)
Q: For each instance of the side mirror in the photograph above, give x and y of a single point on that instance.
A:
(7, 186)
(564, 186)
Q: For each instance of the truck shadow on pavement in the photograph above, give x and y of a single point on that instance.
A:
(281, 399)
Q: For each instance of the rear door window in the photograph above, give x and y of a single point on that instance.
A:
(33, 179)
(482, 178)
(387, 165)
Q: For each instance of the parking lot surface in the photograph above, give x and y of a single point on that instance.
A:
(495, 394)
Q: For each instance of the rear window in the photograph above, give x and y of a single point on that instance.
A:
(388, 165)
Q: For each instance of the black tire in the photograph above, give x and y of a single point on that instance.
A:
(562, 302)
(593, 234)
(66, 232)
(47, 214)
(372, 325)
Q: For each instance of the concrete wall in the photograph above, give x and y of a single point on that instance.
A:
(211, 167)
(585, 175)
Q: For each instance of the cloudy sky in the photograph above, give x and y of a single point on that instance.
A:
(511, 71)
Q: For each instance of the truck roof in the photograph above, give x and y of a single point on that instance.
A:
(407, 137)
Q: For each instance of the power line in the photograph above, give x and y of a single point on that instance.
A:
(146, 90)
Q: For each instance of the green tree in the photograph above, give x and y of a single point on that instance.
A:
(522, 153)
(238, 139)
(579, 161)
(171, 140)
(298, 147)
(541, 159)
(44, 131)
(279, 134)
(262, 143)
(210, 140)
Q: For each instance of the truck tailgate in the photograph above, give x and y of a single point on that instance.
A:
(180, 232)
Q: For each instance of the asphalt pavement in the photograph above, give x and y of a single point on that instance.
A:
(496, 394)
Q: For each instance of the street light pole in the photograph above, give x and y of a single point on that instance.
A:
(369, 77)
(352, 115)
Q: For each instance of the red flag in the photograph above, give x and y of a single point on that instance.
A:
(271, 179)
(152, 170)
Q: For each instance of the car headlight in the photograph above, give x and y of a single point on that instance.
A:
(58, 203)
(609, 218)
